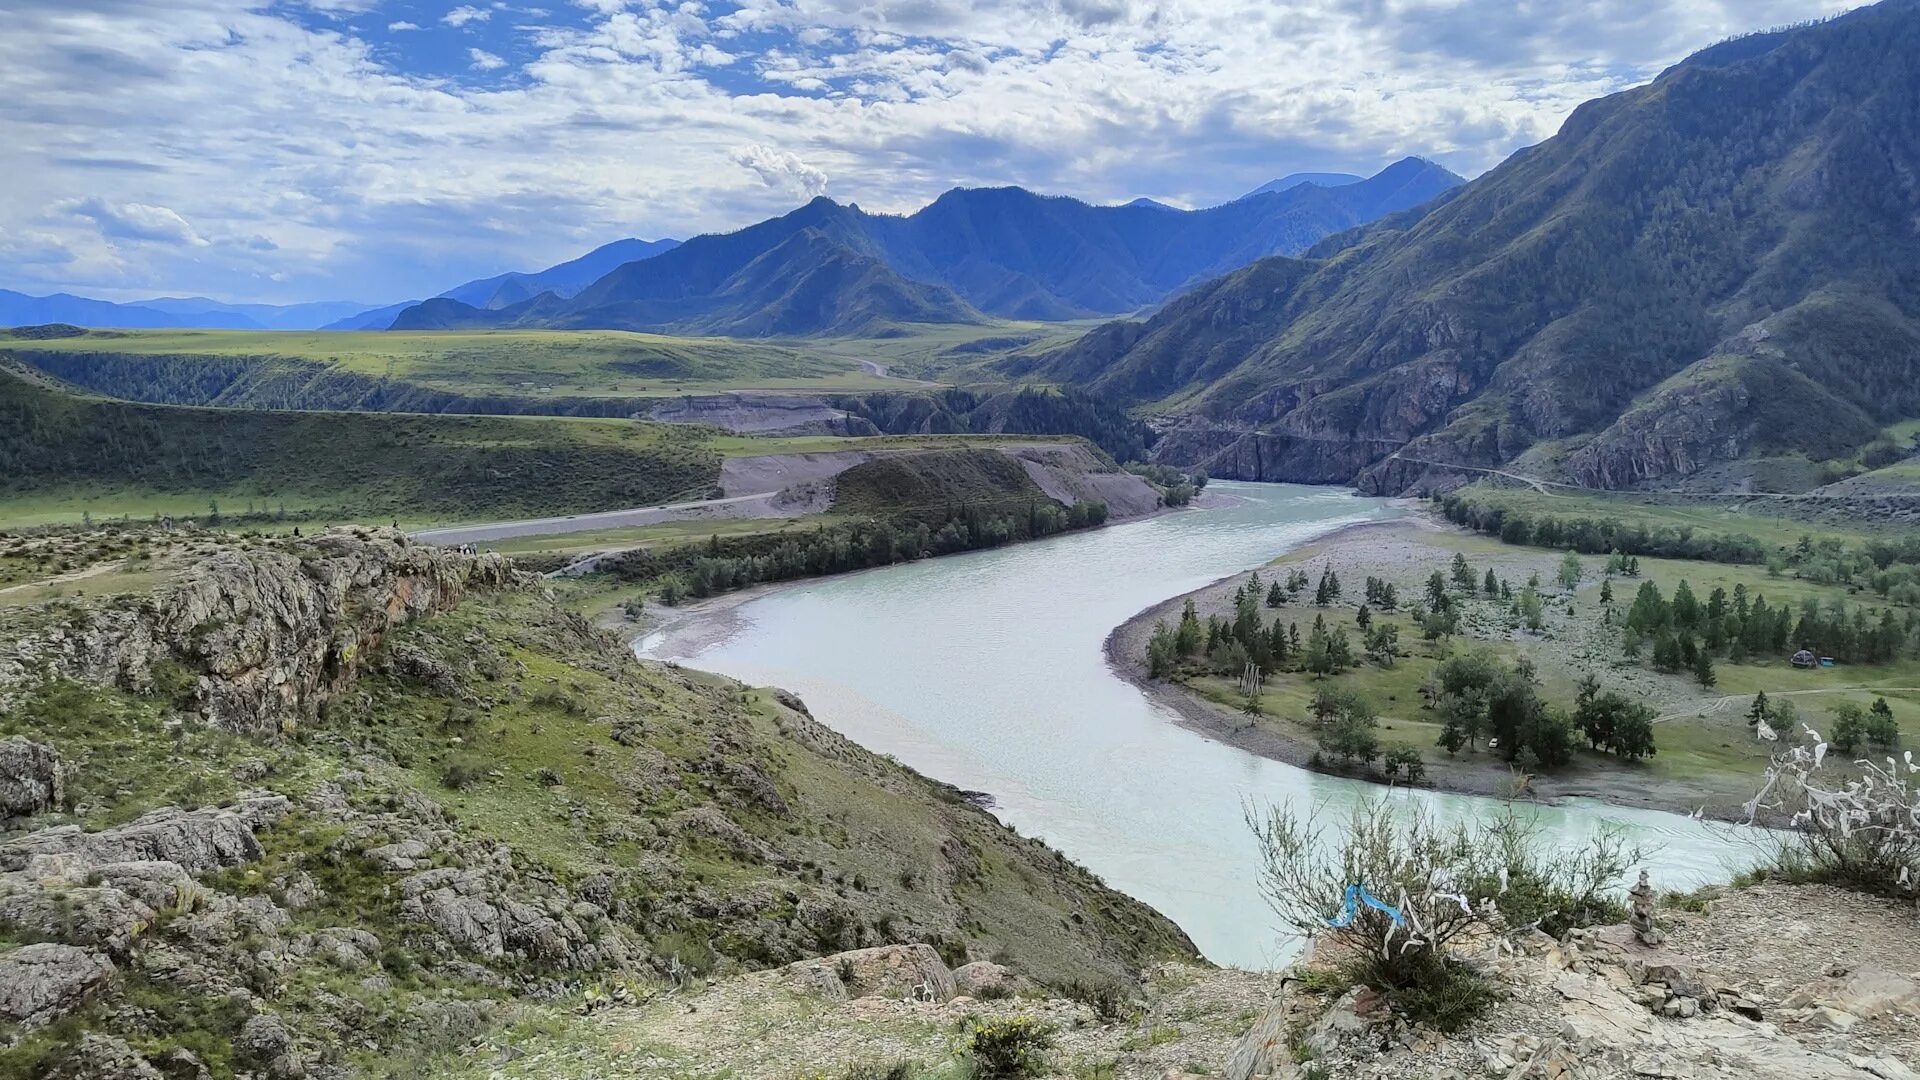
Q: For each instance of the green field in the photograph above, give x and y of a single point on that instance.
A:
(520, 363)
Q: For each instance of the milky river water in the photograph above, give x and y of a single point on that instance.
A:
(985, 670)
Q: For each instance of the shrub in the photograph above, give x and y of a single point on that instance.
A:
(463, 772)
(1009, 1048)
(1446, 882)
(1855, 832)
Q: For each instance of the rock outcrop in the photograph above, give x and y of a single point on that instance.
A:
(32, 778)
(42, 982)
(256, 637)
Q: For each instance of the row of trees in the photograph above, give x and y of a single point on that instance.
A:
(1228, 645)
(725, 563)
(1474, 698)
(1685, 631)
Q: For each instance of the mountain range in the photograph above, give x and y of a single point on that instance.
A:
(1722, 264)
(1005, 252)
(167, 312)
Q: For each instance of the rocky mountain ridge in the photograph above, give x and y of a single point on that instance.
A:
(1714, 266)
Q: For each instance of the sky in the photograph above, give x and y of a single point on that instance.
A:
(381, 150)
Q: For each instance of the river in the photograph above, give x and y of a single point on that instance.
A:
(985, 670)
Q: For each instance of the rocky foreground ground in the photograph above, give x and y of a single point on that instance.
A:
(1771, 981)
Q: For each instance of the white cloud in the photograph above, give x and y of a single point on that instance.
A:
(464, 14)
(396, 27)
(152, 145)
(134, 221)
(782, 170)
(484, 60)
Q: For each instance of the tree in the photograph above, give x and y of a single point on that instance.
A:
(1364, 617)
(1758, 712)
(1383, 643)
(1161, 652)
(1323, 594)
(1570, 572)
(1606, 593)
(1403, 759)
(1848, 727)
(1703, 668)
(1186, 639)
(1437, 598)
(1882, 730)
(1275, 594)
(1532, 609)
(1463, 574)
(1782, 717)
(1685, 607)
(1352, 732)
(1491, 586)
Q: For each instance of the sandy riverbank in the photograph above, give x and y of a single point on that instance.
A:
(1406, 551)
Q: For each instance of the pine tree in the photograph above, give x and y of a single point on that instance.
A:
(1491, 586)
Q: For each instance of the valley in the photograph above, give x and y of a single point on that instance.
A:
(998, 588)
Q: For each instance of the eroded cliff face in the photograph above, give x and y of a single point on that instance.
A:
(256, 637)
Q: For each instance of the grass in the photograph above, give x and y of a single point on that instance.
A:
(1774, 523)
(522, 363)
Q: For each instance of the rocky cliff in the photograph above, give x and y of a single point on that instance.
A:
(254, 637)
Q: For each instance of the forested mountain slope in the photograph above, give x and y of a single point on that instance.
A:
(1720, 264)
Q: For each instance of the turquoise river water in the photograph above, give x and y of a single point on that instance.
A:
(985, 670)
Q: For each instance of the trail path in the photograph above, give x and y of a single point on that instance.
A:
(78, 575)
(1728, 702)
(882, 371)
(605, 519)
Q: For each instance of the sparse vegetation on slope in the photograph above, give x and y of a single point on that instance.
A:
(484, 804)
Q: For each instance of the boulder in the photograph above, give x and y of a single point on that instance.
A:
(32, 778)
(983, 979)
(265, 1043)
(197, 840)
(43, 982)
(104, 918)
(902, 972)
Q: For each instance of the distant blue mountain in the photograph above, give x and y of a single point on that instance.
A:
(1003, 251)
(1152, 204)
(213, 314)
(563, 280)
(505, 290)
(1294, 180)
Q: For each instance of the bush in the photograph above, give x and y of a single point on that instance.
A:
(1010, 1048)
(1855, 832)
(462, 773)
(1446, 882)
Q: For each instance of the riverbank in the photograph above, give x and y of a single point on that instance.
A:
(694, 627)
(1405, 552)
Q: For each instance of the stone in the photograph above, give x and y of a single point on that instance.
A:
(1640, 904)
(197, 840)
(43, 982)
(32, 778)
(983, 979)
(103, 1057)
(901, 972)
(1866, 993)
(104, 918)
(1263, 1050)
(265, 1043)
(1885, 1068)
(1831, 1018)
(1346, 1019)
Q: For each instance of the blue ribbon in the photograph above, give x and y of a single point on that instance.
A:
(1350, 907)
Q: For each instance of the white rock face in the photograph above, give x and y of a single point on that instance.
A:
(901, 972)
(32, 778)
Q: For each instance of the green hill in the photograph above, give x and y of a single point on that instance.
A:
(120, 457)
(1716, 265)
